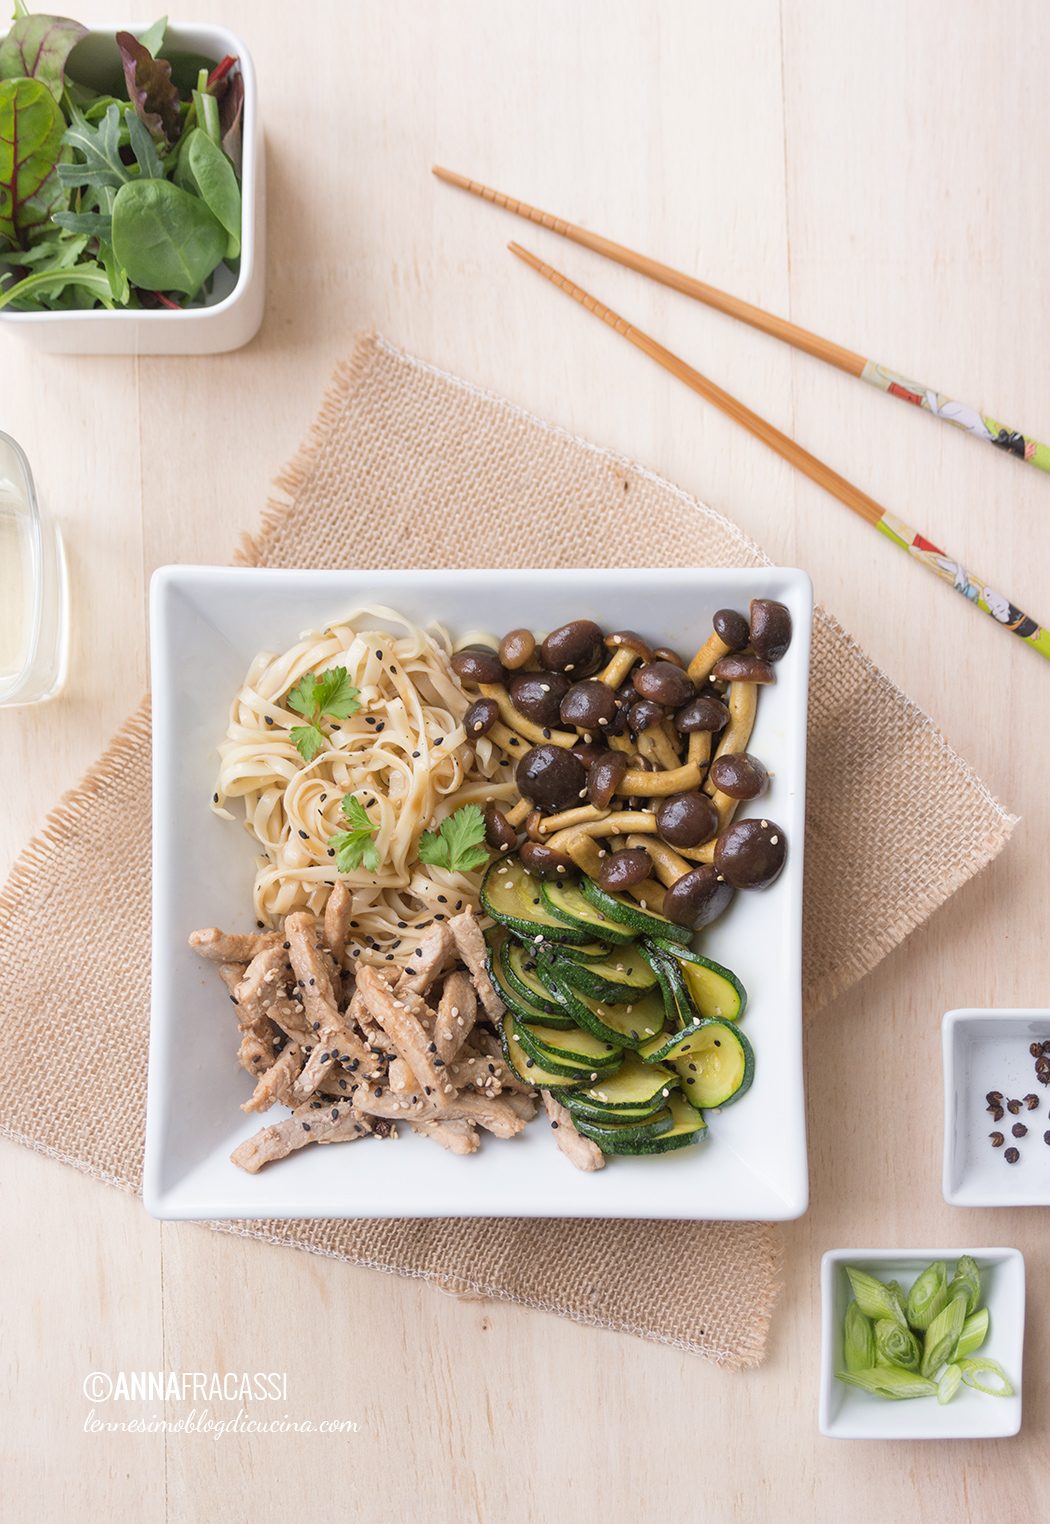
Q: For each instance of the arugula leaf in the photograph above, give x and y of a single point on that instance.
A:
(458, 843)
(38, 47)
(356, 846)
(153, 37)
(150, 88)
(90, 277)
(328, 695)
(100, 146)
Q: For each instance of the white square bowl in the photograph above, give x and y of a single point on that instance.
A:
(232, 313)
(983, 1051)
(207, 625)
(848, 1413)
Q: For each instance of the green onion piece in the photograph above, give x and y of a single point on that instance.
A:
(967, 1278)
(942, 1336)
(949, 1384)
(858, 1340)
(928, 1295)
(888, 1381)
(896, 1345)
(974, 1333)
(971, 1373)
(874, 1299)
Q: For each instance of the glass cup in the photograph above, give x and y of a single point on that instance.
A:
(33, 588)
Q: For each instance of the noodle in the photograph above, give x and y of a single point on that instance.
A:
(404, 755)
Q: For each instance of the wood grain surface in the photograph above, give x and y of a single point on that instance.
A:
(871, 172)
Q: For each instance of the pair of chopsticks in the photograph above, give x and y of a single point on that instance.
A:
(982, 427)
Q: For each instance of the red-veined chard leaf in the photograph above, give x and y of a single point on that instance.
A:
(150, 88)
(229, 92)
(31, 126)
(37, 47)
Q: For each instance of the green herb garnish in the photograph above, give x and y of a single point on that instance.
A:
(458, 843)
(114, 201)
(356, 846)
(330, 696)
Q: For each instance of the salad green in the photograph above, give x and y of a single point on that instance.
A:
(122, 196)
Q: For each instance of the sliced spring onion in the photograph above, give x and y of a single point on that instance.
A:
(974, 1333)
(858, 1340)
(949, 1384)
(874, 1299)
(895, 1345)
(967, 1278)
(972, 1371)
(942, 1336)
(927, 1296)
(888, 1381)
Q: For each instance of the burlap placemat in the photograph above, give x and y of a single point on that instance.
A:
(407, 466)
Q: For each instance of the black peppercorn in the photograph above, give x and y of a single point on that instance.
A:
(1013, 1107)
(994, 1097)
(996, 1113)
(997, 1139)
(1035, 1049)
(1031, 1101)
(1012, 1155)
(1019, 1130)
(1046, 1137)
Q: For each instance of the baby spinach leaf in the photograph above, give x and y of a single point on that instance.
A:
(89, 278)
(165, 238)
(204, 168)
(150, 89)
(30, 142)
(100, 146)
(37, 47)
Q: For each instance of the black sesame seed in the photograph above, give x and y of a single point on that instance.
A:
(303, 835)
(335, 1113)
(379, 654)
(306, 1127)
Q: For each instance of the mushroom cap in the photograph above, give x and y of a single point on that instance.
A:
(550, 777)
(480, 717)
(517, 648)
(576, 647)
(731, 629)
(739, 774)
(738, 667)
(588, 705)
(538, 695)
(664, 683)
(604, 778)
(544, 861)
(697, 897)
(500, 835)
(771, 628)
(644, 715)
(686, 819)
(633, 640)
(702, 713)
(621, 870)
(749, 854)
(478, 664)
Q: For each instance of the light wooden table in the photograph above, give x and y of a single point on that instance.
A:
(871, 171)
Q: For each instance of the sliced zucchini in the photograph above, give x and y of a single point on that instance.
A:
(526, 1068)
(576, 1054)
(624, 1137)
(621, 910)
(498, 944)
(718, 1067)
(711, 989)
(624, 975)
(586, 952)
(512, 896)
(687, 1127)
(567, 902)
(518, 966)
(636, 1084)
(595, 1111)
(628, 1026)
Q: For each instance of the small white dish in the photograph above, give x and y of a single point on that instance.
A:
(848, 1413)
(207, 625)
(983, 1051)
(231, 315)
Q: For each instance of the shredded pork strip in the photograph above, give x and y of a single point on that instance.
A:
(406, 1032)
(231, 947)
(458, 1137)
(496, 1115)
(576, 1148)
(456, 1014)
(339, 1124)
(466, 934)
(277, 1086)
(337, 920)
(437, 952)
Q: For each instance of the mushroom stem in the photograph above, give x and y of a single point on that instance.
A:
(699, 752)
(639, 785)
(743, 704)
(513, 746)
(712, 650)
(704, 854)
(519, 814)
(517, 722)
(649, 894)
(621, 662)
(565, 818)
(610, 825)
(726, 805)
(656, 744)
(667, 863)
(585, 853)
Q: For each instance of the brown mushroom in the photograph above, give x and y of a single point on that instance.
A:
(697, 897)
(770, 628)
(589, 705)
(663, 683)
(712, 649)
(731, 629)
(664, 653)
(627, 648)
(500, 835)
(702, 713)
(582, 814)
(574, 647)
(551, 777)
(686, 819)
(534, 825)
(543, 861)
(538, 695)
(738, 667)
(666, 862)
(749, 854)
(516, 649)
(480, 717)
(478, 664)
(604, 778)
(643, 715)
(622, 870)
(739, 774)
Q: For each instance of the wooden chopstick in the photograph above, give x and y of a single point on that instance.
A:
(902, 534)
(972, 419)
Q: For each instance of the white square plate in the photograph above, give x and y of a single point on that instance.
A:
(848, 1413)
(983, 1051)
(207, 624)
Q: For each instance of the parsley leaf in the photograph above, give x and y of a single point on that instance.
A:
(330, 695)
(355, 847)
(459, 842)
